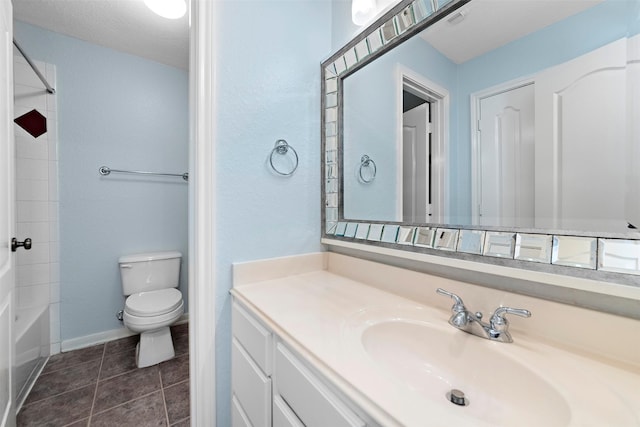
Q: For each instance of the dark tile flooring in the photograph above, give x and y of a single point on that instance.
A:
(101, 386)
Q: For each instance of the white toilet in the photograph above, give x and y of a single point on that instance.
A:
(153, 303)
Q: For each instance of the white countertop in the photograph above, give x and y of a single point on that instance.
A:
(322, 315)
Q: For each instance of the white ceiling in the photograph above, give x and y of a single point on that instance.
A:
(129, 26)
(489, 24)
(124, 25)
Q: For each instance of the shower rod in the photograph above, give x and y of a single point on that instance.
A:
(35, 69)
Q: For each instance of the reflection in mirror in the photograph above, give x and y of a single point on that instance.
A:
(446, 239)
(424, 237)
(341, 228)
(406, 235)
(499, 244)
(527, 123)
(574, 251)
(471, 241)
(533, 247)
(390, 233)
(375, 232)
(622, 256)
(350, 230)
(362, 231)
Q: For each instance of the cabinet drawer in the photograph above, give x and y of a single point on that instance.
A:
(250, 386)
(238, 417)
(254, 337)
(309, 399)
(283, 416)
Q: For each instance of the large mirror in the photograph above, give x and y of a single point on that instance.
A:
(503, 117)
(503, 113)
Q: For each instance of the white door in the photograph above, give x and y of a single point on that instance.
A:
(415, 165)
(581, 125)
(7, 279)
(506, 158)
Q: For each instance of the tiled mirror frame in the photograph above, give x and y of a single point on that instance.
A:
(399, 24)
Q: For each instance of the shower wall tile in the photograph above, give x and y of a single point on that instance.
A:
(33, 296)
(54, 291)
(53, 181)
(32, 211)
(31, 148)
(54, 252)
(52, 209)
(34, 274)
(53, 231)
(33, 190)
(38, 271)
(30, 98)
(35, 169)
(24, 75)
(39, 254)
(38, 231)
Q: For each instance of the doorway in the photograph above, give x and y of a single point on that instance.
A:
(422, 149)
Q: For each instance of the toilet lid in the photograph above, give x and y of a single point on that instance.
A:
(153, 303)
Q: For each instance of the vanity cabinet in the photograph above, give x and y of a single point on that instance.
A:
(273, 386)
(250, 371)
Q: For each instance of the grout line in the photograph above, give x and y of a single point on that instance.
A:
(164, 399)
(124, 403)
(183, 419)
(95, 392)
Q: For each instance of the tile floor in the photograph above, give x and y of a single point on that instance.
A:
(101, 386)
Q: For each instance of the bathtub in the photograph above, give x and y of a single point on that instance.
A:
(31, 330)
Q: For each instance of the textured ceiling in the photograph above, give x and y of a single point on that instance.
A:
(125, 25)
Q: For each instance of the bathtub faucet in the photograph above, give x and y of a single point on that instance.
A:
(497, 329)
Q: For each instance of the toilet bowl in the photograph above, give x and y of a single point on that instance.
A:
(153, 303)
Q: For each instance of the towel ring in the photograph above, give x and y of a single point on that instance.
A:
(282, 148)
(367, 162)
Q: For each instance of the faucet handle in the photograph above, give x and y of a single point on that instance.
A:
(458, 305)
(499, 324)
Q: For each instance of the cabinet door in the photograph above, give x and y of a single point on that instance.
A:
(251, 387)
(283, 416)
(254, 337)
(307, 396)
(238, 417)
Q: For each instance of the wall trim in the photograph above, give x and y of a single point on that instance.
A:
(105, 336)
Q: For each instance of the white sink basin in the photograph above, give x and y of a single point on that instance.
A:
(432, 361)
(526, 383)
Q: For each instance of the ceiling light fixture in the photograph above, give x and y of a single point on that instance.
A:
(170, 9)
(362, 11)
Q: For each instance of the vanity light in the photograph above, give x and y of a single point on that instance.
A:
(362, 11)
(170, 9)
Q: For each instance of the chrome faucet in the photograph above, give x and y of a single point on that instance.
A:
(496, 330)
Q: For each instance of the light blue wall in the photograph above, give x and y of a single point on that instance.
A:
(125, 112)
(370, 106)
(268, 56)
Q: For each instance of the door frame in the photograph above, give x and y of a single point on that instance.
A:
(474, 113)
(440, 101)
(202, 219)
(7, 269)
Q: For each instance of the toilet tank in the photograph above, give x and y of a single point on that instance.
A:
(149, 271)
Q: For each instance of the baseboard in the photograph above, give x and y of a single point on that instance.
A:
(106, 336)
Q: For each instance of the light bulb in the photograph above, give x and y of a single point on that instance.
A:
(362, 11)
(170, 9)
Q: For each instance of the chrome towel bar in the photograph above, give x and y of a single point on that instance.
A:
(104, 170)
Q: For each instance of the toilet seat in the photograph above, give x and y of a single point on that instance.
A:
(153, 303)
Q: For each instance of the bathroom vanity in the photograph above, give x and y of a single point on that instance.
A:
(330, 340)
